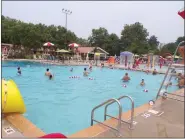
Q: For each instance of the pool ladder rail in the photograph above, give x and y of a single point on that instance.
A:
(108, 103)
(170, 67)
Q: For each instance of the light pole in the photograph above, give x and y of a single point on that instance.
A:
(66, 12)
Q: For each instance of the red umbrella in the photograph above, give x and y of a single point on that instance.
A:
(72, 45)
(48, 44)
(181, 13)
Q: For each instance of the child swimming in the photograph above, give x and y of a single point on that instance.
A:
(19, 70)
(142, 82)
(85, 73)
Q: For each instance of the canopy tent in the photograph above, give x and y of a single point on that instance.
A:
(74, 45)
(126, 57)
(48, 44)
(136, 55)
(173, 56)
(62, 51)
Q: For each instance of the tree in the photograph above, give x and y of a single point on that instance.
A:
(180, 39)
(153, 42)
(98, 37)
(32, 36)
(134, 37)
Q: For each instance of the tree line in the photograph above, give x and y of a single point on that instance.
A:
(134, 37)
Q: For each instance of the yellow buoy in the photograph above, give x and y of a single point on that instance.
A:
(12, 101)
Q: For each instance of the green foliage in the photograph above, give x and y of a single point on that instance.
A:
(34, 36)
(134, 38)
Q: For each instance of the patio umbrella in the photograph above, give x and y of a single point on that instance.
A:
(74, 45)
(48, 44)
(181, 13)
(62, 51)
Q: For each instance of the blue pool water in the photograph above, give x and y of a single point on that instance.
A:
(63, 104)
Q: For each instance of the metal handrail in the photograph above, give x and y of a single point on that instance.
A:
(132, 111)
(119, 119)
(169, 79)
(168, 70)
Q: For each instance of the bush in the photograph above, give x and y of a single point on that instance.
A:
(29, 57)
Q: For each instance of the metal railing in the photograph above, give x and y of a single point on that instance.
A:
(119, 117)
(166, 74)
(132, 112)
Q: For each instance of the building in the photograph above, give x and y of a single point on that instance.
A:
(85, 52)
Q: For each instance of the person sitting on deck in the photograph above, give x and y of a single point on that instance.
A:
(85, 72)
(180, 76)
(142, 82)
(181, 83)
(154, 72)
(47, 73)
(126, 78)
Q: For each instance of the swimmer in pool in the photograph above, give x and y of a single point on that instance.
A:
(19, 70)
(47, 73)
(154, 72)
(71, 70)
(85, 72)
(50, 76)
(142, 82)
(126, 78)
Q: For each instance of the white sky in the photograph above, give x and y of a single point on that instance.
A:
(160, 18)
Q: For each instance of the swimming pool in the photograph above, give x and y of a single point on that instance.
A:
(64, 104)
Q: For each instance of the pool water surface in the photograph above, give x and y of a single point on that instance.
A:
(64, 104)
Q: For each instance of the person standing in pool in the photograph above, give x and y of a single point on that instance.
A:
(47, 73)
(126, 78)
(142, 82)
(19, 70)
(154, 72)
(85, 72)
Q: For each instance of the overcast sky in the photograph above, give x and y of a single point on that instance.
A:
(159, 18)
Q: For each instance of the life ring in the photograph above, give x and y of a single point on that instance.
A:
(151, 102)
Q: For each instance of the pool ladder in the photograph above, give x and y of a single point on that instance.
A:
(170, 67)
(108, 103)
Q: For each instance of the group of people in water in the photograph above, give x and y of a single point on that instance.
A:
(180, 77)
(126, 78)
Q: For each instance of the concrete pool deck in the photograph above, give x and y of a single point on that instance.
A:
(169, 122)
(172, 121)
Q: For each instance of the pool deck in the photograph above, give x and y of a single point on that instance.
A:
(168, 122)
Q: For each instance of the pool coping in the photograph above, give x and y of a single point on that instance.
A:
(28, 129)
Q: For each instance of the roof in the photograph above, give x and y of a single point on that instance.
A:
(90, 49)
(85, 49)
(6, 44)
